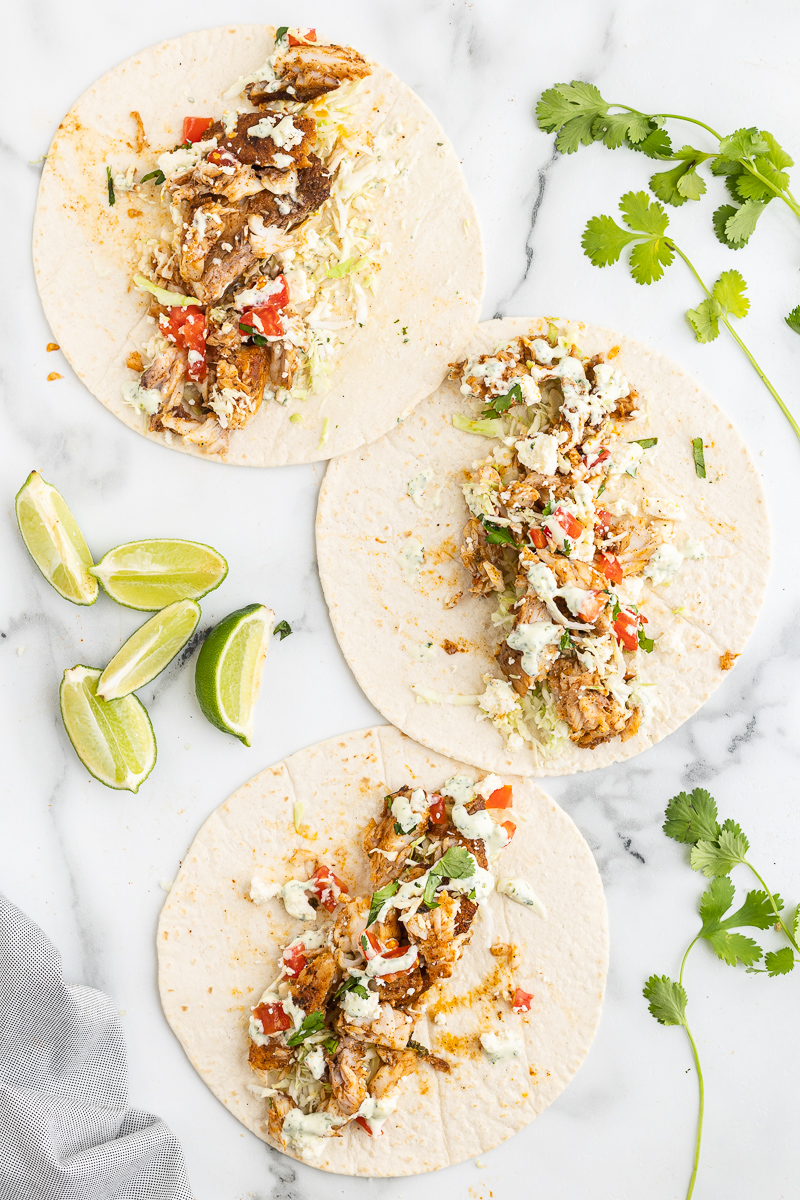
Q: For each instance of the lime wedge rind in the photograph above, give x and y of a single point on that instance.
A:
(54, 541)
(149, 650)
(229, 667)
(114, 739)
(151, 574)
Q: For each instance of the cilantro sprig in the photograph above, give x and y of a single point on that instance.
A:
(497, 406)
(651, 252)
(313, 1023)
(752, 163)
(716, 849)
(456, 863)
(379, 898)
(497, 535)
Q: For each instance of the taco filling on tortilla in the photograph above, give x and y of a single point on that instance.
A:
(334, 1034)
(563, 557)
(268, 265)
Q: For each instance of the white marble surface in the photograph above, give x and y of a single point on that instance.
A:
(88, 864)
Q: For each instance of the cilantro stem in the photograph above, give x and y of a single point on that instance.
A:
(700, 1083)
(781, 193)
(740, 343)
(773, 905)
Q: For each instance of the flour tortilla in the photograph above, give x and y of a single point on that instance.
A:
(382, 615)
(431, 281)
(217, 951)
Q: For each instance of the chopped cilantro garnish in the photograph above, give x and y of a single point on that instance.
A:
(379, 898)
(351, 984)
(313, 1023)
(283, 627)
(398, 828)
(157, 176)
(699, 458)
(418, 1046)
(548, 508)
(112, 200)
(645, 643)
(281, 32)
(457, 863)
(567, 548)
(501, 404)
(600, 490)
(331, 1044)
(645, 443)
(497, 535)
(566, 642)
(258, 340)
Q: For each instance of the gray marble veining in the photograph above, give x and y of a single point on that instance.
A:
(90, 865)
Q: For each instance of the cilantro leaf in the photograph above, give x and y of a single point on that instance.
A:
(704, 320)
(734, 948)
(743, 143)
(720, 857)
(614, 129)
(699, 458)
(648, 260)
(645, 443)
(666, 1000)
(756, 912)
(501, 404)
(565, 644)
(280, 32)
(112, 200)
(313, 1023)
(456, 863)
(714, 903)
(417, 1046)
(642, 214)
(283, 628)
(692, 817)
(739, 227)
(793, 319)
(645, 643)
(682, 183)
(570, 110)
(729, 291)
(158, 176)
(720, 221)
(497, 535)
(603, 240)
(657, 144)
(379, 898)
(331, 1044)
(352, 984)
(779, 962)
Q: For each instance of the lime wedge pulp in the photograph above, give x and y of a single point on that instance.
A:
(151, 574)
(113, 738)
(54, 541)
(149, 650)
(228, 673)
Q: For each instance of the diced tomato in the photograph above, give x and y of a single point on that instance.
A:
(223, 158)
(272, 1017)
(195, 127)
(395, 952)
(185, 325)
(510, 829)
(522, 1001)
(310, 35)
(568, 523)
(609, 565)
(603, 519)
(370, 945)
(294, 959)
(592, 606)
(501, 797)
(327, 887)
(265, 321)
(362, 1121)
(539, 538)
(437, 811)
(625, 626)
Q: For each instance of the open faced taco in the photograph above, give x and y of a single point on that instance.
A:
(381, 963)
(554, 564)
(255, 246)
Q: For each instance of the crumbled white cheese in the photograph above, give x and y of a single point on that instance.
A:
(664, 510)
(539, 453)
(501, 1046)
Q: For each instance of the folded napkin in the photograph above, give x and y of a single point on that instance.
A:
(66, 1131)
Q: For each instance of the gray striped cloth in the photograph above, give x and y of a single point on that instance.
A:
(66, 1131)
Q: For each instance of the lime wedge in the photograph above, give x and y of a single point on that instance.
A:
(54, 541)
(113, 738)
(152, 574)
(229, 665)
(149, 650)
